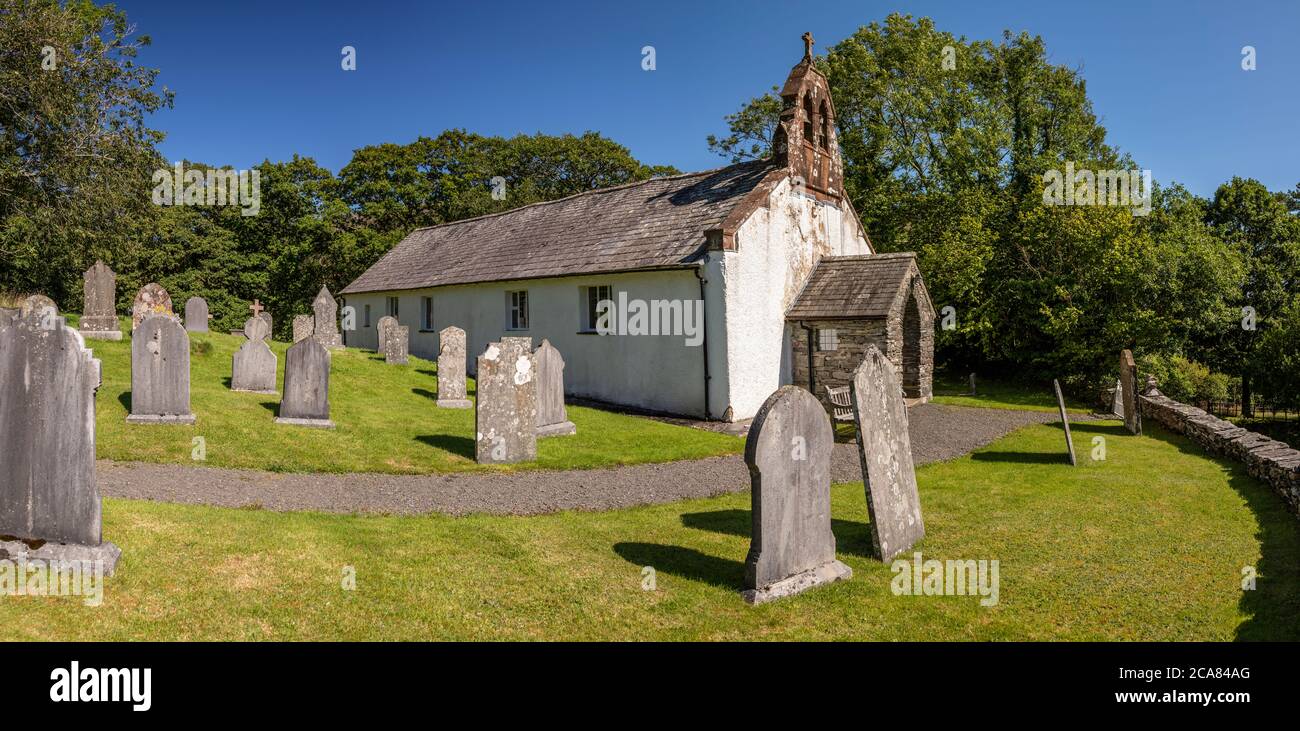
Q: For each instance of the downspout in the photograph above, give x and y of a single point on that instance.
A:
(699, 274)
(812, 380)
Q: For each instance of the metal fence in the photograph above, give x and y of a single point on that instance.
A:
(1268, 411)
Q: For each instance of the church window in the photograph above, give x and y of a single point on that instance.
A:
(426, 313)
(591, 299)
(392, 307)
(828, 339)
(517, 310)
(825, 140)
(808, 119)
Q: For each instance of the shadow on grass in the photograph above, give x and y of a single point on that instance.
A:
(1023, 457)
(425, 393)
(271, 406)
(463, 446)
(124, 398)
(686, 563)
(851, 536)
(227, 381)
(1092, 427)
(1274, 605)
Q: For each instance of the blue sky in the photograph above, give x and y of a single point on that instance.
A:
(256, 80)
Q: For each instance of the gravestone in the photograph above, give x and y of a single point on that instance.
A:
(196, 315)
(151, 299)
(304, 326)
(383, 330)
(160, 372)
(8, 313)
(1065, 419)
(48, 490)
(505, 417)
(451, 369)
(973, 392)
(1117, 400)
(552, 419)
(99, 319)
(1128, 380)
(397, 348)
(788, 452)
(41, 305)
(306, 400)
(885, 453)
(270, 324)
(254, 365)
(325, 312)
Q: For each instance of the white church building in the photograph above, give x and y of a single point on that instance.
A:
(733, 282)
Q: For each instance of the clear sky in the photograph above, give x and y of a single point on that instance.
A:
(257, 80)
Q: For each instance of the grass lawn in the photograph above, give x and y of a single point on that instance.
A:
(386, 417)
(999, 394)
(1148, 544)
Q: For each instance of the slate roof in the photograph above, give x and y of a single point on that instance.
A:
(853, 287)
(651, 224)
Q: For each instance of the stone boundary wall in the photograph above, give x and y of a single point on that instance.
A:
(1266, 459)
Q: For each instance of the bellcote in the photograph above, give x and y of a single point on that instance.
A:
(805, 137)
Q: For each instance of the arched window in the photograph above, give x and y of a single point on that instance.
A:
(825, 139)
(808, 119)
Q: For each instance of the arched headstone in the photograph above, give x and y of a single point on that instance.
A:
(306, 400)
(451, 369)
(196, 315)
(160, 372)
(384, 329)
(152, 299)
(552, 418)
(788, 451)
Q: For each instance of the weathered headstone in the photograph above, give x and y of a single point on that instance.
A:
(973, 391)
(99, 319)
(270, 323)
(552, 419)
(397, 349)
(41, 305)
(326, 313)
(196, 315)
(1065, 419)
(304, 326)
(451, 369)
(160, 372)
(788, 451)
(885, 453)
(306, 400)
(1117, 400)
(384, 329)
(505, 417)
(254, 365)
(152, 299)
(1128, 380)
(48, 490)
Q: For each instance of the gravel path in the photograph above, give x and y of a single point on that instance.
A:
(937, 432)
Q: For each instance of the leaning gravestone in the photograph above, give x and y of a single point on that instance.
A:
(788, 451)
(99, 321)
(253, 366)
(505, 417)
(885, 453)
(306, 400)
(383, 330)
(151, 299)
(196, 315)
(48, 491)
(552, 419)
(1065, 419)
(397, 348)
(1128, 378)
(160, 372)
(303, 327)
(451, 369)
(326, 313)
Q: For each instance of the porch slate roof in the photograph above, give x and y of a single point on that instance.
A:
(853, 287)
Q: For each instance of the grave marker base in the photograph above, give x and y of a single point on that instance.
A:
(455, 403)
(313, 423)
(101, 334)
(827, 573)
(562, 429)
(160, 419)
(64, 555)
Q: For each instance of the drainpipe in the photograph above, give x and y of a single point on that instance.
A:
(699, 274)
(812, 380)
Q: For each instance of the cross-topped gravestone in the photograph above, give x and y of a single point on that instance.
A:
(48, 491)
(99, 321)
(788, 451)
(196, 315)
(256, 307)
(505, 420)
(1128, 379)
(304, 326)
(254, 365)
(383, 330)
(1065, 419)
(397, 347)
(885, 453)
(552, 418)
(326, 313)
(451, 369)
(160, 372)
(306, 400)
(152, 299)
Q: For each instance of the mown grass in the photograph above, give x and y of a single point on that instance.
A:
(994, 393)
(1148, 544)
(386, 418)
